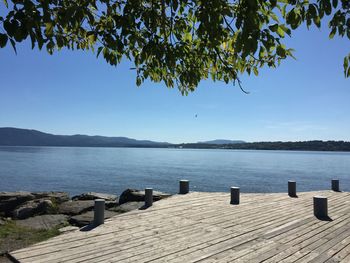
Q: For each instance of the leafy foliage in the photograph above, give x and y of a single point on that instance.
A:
(178, 42)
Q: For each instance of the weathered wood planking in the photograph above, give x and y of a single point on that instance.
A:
(205, 227)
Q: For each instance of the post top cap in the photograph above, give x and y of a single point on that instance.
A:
(291, 181)
(319, 197)
(234, 187)
(183, 180)
(149, 188)
(99, 200)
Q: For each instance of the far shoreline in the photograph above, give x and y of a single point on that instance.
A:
(182, 148)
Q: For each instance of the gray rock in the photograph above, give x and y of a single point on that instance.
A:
(111, 204)
(2, 222)
(15, 203)
(75, 207)
(56, 197)
(93, 196)
(129, 206)
(133, 195)
(10, 200)
(43, 222)
(33, 207)
(88, 217)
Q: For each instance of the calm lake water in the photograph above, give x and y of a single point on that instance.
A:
(111, 170)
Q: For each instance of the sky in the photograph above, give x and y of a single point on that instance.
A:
(73, 92)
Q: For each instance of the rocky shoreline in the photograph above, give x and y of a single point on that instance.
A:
(51, 213)
(53, 208)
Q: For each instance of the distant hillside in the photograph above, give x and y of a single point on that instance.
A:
(221, 141)
(24, 137)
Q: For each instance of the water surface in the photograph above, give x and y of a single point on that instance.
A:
(111, 170)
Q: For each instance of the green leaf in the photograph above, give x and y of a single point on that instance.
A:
(13, 43)
(312, 11)
(280, 31)
(92, 39)
(274, 17)
(346, 66)
(3, 40)
(138, 81)
(284, 10)
(49, 28)
(6, 4)
(281, 51)
(286, 29)
(335, 3)
(273, 3)
(9, 27)
(187, 37)
(327, 7)
(290, 53)
(273, 27)
(333, 32)
(99, 51)
(252, 3)
(256, 72)
(317, 21)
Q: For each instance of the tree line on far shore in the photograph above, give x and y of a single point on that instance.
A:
(315, 145)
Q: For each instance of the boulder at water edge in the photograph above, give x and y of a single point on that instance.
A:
(133, 195)
(10, 200)
(75, 207)
(56, 197)
(93, 196)
(33, 207)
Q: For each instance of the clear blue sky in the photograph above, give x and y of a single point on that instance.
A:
(73, 92)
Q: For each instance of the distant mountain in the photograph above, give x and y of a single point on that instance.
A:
(221, 141)
(24, 137)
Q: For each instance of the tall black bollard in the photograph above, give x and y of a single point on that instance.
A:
(292, 188)
(184, 187)
(234, 195)
(148, 197)
(99, 212)
(320, 206)
(335, 185)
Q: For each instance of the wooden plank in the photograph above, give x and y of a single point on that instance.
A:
(340, 255)
(166, 259)
(333, 247)
(259, 252)
(204, 227)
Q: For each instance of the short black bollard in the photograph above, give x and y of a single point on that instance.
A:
(292, 188)
(320, 206)
(234, 195)
(184, 187)
(335, 185)
(148, 197)
(99, 212)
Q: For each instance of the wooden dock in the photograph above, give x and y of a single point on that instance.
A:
(205, 227)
